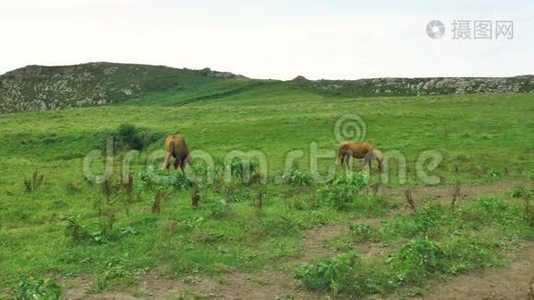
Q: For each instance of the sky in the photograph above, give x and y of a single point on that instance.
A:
(335, 39)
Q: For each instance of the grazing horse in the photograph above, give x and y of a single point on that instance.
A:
(365, 150)
(176, 147)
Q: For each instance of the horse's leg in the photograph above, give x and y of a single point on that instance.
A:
(166, 161)
(348, 160)
(182, 164)
(177, 163)
(367, 162)
(380, 165)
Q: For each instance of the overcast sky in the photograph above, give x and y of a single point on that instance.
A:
(335, 39)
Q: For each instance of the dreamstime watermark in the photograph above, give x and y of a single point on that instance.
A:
(472, 29)
(321, 162)
(350, 128)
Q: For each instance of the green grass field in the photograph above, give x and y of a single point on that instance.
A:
(482, 138)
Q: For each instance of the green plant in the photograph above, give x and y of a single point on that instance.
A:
(418, 257)
(114, 273)
(108, 206)
(39, 289)
(128, 136)
(236, 193)
(75, 230)
(34, 182)
(519, 192)
(494, 174)
(80, 234)
(193, 222)
(340, 191)
(464, 253)
(297, 177)
(246, 171)
(334, 274)
(346, 274)
(155, 178)
(362, 232)
(219, 208)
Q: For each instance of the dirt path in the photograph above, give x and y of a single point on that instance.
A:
(512, 282)
(504, 283)
(466, 191)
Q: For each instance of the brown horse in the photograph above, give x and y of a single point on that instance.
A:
(365, 150)
(176, 147)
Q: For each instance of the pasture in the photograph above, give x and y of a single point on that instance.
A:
(292, 238)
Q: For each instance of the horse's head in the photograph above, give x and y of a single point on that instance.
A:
(377, 154)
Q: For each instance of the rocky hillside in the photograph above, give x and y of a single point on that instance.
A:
(44, 88)
(419, 86)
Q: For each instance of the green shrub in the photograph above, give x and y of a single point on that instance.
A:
(37, 289)
(346, 273)
(430, 216)
(341, 191)
(417, 259)
(335, 274)
(128, 136)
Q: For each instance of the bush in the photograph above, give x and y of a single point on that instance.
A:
(346, 273)
(45, 289)
(341, 191)
(417, 259)
(428, 217)
(335, 274)
(128, 136)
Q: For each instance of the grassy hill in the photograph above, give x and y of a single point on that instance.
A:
(60, 228)
(34, 88)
